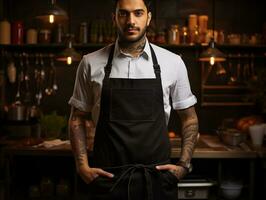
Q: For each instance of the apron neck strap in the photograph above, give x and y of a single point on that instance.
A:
(108, 66)
(156, 66)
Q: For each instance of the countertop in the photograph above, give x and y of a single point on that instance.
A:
(209, 146)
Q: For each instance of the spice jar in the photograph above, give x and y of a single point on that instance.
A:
(5, 32)
(17, 32)
(173, 35)
(31, 36)
(45, 36)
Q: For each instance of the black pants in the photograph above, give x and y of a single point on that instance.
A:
(136, 182)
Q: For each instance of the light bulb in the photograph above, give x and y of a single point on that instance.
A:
(69, 60)
(51, 19)
(212, 60)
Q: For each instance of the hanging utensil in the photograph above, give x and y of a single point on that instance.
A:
(220, 70)
(27, 98)
(253, 75)
(238, 68)
(49, 89)
(11, 72)
(232, 78)
(55, 86)
(20, 80)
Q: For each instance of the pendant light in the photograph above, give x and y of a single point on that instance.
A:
(53, 13)
(69, 54)
(212, 54)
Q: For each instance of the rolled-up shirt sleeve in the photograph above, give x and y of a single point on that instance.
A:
(82, 97)
(181, 94)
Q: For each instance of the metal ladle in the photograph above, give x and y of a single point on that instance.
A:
(232, 78)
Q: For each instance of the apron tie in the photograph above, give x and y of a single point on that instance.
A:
(131, 169)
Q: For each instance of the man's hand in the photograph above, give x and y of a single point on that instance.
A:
(178, 171)
(89, 174)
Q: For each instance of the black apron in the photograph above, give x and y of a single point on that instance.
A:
(131, 139)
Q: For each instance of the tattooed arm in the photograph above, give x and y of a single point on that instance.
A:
(190, 135)
(77, 135)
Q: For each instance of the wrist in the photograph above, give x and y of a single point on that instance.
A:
(186, 165)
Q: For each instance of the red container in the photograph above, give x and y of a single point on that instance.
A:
(17, 30)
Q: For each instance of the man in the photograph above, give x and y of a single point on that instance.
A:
(124, 89)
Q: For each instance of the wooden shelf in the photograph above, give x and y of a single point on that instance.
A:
(227, 104)
(224, 87)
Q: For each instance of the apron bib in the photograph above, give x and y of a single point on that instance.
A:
(131, 139)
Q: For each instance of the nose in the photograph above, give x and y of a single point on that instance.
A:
(131, 19)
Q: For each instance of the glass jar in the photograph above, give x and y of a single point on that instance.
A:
(173, 35)
(31, 36)
(5, 32)
(45, 36)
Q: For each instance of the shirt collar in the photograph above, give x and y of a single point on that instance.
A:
(145, 54)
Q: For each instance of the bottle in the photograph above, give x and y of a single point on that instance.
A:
(173, 35)
(17, 32)
(59, 34)
(83, 33)
(160, 38)
(184, 35)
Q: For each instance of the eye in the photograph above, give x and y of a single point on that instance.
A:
(138, 13)
(122, 13)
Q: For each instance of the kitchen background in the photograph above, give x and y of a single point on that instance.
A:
(229, 93)
(232, 19)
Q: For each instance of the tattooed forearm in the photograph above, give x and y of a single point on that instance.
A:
(77, 134)
(189, 133)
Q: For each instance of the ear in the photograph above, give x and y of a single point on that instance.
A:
(149, 18)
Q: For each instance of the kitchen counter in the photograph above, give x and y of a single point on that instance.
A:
(209, 146)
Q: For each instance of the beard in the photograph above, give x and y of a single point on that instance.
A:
(123, 37)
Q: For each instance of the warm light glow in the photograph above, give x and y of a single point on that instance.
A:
(51, 19)
(69, 60)
(212, 60)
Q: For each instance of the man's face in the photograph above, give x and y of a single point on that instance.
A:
(131, 19)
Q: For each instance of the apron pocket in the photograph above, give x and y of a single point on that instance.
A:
(169, 178)
(169, 188)
(132, 105)
(101, 184)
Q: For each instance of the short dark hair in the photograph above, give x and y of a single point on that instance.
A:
(146, 2)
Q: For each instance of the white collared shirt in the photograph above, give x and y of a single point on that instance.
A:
(90, 74)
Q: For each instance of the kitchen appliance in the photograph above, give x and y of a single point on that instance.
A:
(194, 188)
(231, 136)
(231, 189)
